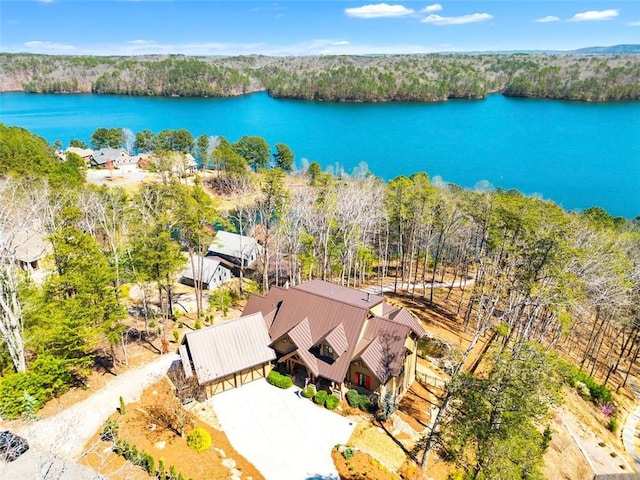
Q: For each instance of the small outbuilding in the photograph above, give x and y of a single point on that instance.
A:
(239, 249)
(215, 272)
(227, 355)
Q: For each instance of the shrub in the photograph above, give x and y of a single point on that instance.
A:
(347, 453)
(388, 406)
(109, 431)
(331, 402)
(583, 390)
(148, 463)
(122, 407)
(279, 380)
(547, 436)
(367, 405)
(612, 424)
(309, 391)
(598, 392)
(199, 440)
(176, 336)
(320, 397)
(48, 377)
(353, 398)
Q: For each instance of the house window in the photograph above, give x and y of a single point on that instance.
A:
(363, 380)
(328, 351)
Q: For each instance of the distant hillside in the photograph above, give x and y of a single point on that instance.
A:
(347, 78)
(612, 50)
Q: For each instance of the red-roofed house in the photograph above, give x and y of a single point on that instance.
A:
(340, 337)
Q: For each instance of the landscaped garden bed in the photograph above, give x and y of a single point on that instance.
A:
(143, 427)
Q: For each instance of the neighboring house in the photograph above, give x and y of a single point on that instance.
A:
(29, 247)
(227, 355)
(85, 153)
(189, 164)
(239, 249)
(341, 338)
(215, 272)
(117, 156)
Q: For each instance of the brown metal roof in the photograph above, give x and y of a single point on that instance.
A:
(323, 315)
(337, 339)
(338, 293)
(227, 348)
(260, 303)
(301, 337)
(319, 311)
(404, 317)
(382, 347)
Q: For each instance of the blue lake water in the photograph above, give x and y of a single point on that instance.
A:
(577, 154)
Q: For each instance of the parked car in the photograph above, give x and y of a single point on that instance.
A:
(11, 446)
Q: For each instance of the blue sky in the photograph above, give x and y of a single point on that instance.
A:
(309, 27)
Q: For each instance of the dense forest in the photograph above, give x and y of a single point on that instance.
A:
(554, 294)
(407, 78)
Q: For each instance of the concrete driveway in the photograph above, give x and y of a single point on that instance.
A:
(285, 436)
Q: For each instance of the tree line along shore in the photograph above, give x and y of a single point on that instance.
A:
(554, 294)
(384, 78)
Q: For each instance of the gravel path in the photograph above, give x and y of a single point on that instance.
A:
(598, 457)
(66, 433)
(389, 286)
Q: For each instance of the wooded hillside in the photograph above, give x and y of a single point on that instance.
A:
(418, 78)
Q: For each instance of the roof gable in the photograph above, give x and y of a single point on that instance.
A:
(404, 317)
(382, 347)
(337, 340)
(301, 337)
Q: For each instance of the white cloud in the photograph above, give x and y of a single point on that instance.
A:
(460, 20)
(547, 19)
(48, 47)
(436, 7)
(595, 15)
(634, 24)
(379, 10)
(141, 42)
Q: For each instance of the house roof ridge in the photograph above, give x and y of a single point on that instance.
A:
(337, 300)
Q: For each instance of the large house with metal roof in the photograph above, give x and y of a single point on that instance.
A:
(340, 338)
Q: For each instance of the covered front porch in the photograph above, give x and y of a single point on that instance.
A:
(302, 375)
